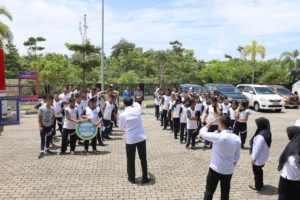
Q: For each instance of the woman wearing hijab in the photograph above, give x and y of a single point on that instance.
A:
(260, 150)
(289, 165)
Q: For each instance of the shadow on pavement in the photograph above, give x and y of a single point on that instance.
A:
(268, 190)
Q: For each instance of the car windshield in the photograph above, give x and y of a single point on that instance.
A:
(263, 90)
(283, 91)
(228, 89)
(195, 87)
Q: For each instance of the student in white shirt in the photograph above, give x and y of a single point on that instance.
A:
(93, 113)
(157, 97)
(191, 125)
(176, 116)
(211, 114)
(260, 149)
(161, 108)
(170, 111)
(58, 109)
(64, 97)
(107, 116)
(225, 155)
(225, 106)
(240, 126)
(165, 103)
(289, 165)
(71, 119)
(232, 112)
(183, 120)
(131, 122)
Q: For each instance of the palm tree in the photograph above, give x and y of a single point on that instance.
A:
(241, 50)
(254, 49)
(4, 30)
(290, 58)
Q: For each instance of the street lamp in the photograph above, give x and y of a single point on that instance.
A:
(102, 50)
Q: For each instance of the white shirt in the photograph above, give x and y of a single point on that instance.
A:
(167, 99)
(260, 151)
(232, 113)
(64, 97)
(93, 114)
(73, 114)
(225, 108)
(191, 124)
(108, 110)
(212, 115)
(291, 169)
(183, 118)
(131, 121)
(156, 98)
(205, 107)
(225, 151)
(243, 116)
(176, 110)
(57, 108)
(198, 107)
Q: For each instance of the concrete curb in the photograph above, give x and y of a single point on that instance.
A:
(34, 112)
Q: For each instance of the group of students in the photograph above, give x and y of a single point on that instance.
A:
(219, 123)
(186, 112)
(68, 109)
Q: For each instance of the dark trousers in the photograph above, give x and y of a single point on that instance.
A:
(130, 150)
(176, 125)
(59, 124)
(157, 111)
(64, 141)
(87, 143)
(46, 137)
(115, 119)
(183, 132)
(99, 137)
(161, 118)
(258, 176)
(212, 181)
(191, 137)
(165, 118)
(212, 128)
(288, 189)
(240, 128)
(107, 130)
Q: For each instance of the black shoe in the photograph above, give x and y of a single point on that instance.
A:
(85, 152)
(49, 152)
(61, 153)
(146, 180)
(107, 137)
(254, 188)
(101, 144)
(164, 128)
(42, 154)
(131, 180)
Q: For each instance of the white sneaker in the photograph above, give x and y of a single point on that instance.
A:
(72, 153)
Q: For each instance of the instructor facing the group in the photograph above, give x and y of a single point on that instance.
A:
(131, 122)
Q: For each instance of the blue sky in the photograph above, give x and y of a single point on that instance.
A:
(210, 27)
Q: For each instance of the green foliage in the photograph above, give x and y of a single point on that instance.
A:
(33, 48)
(12, 60)
(129, 77)
(5, 33)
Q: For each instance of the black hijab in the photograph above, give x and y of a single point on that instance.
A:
(293, 147)
(263, 129)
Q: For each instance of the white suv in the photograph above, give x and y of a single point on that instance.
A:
(261, 97)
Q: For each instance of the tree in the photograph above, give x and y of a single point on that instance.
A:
(32, 44)
(123, 46)
(240, 49)
(253, 50)
(4, 29)
(229, 57)
(12, 60)
(129, 77)
(290, 59)
(87, 56)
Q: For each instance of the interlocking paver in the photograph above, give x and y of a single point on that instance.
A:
(178, 173)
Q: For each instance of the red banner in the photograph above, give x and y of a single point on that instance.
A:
(2, 71)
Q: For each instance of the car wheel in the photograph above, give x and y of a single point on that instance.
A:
(278, 110)
(256, 106)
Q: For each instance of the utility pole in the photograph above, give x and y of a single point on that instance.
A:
(102, 50)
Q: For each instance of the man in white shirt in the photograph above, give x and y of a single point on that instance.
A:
(225, 155)
(131, 122)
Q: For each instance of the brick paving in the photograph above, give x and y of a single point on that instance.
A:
(178, 173)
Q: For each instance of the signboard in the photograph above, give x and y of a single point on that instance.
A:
(86, 130)
(10, 116)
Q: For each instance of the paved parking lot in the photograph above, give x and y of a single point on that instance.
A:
(178, 173)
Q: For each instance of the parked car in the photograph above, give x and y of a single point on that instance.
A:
(231, 92)
(186, 87)
(296, 88)
(291, 100)
(261, 97)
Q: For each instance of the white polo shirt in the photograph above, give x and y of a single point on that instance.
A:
(225, 151)
(131, 121)
(176, 110)
(108, 110)
(191, 124)
(73, 114)
(57, 106)
(183, 110)
(167, 99)
(260, 150)
(291, 168)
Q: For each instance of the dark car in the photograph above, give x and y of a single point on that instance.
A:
(231, 92)
(291, 100)
(196, 87)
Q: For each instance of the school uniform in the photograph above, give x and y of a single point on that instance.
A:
(176, 118)
(240, 126)
(47, 115)
(232, 113)
(211, 116)
(94, 114)
(107, 114)
(58, 108)
(260, 149)
(64, 97)
(191, 127)
(170, 111)
(183, 121)
(199, 109)
(225, 108)
(289, 165)
(157, 103)
(225, 153)
(135, 137)
(161, 112)
(166, 100)
(69, 129)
